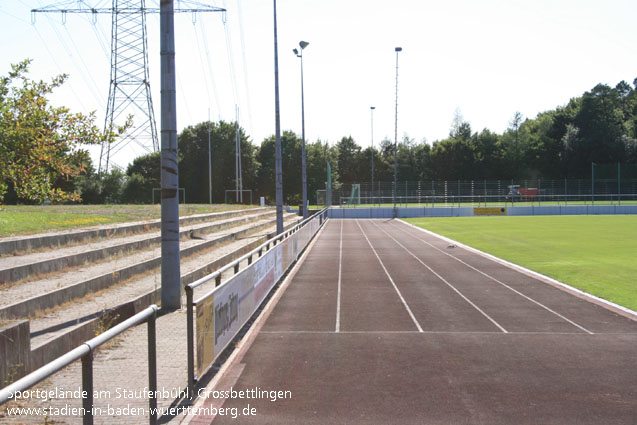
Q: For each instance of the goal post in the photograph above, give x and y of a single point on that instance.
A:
(238, 194)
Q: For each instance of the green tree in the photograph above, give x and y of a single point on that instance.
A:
(143, 175)
(193, 161)
(318, 154)
(597, 132)
(349, 160)
(39, 143)
(290, 165)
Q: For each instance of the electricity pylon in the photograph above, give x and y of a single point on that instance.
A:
(129, 90)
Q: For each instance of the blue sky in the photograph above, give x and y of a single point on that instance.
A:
(487, 58)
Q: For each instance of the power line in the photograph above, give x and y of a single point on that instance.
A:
(212, 75)
(203, 71)
(245, 63)
(130, 78)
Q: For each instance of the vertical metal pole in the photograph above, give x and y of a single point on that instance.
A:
(459, 193)
(87, 387)
(397, 49)
(190, 337)
(209, 163)
(303, 161)
(170, 268)
(277, 125)
(592, 183)
(372, 112)
(619, 184)
(236, 155)
(152, 368)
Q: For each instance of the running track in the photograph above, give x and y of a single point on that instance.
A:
(385, 324)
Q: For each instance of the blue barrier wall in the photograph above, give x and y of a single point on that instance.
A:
(410, 212)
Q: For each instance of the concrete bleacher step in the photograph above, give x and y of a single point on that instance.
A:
(35, 264)
(64, 328)
(27, 298)
(21, 244)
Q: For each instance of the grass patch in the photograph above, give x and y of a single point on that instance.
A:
(593, 253)
(28, 219)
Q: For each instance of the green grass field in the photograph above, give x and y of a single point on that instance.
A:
(29, 219)
(593, 253)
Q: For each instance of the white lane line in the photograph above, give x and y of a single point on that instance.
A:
(501, 283)
(391, 280)
(338, 296)
(445, 281)
(440, 333)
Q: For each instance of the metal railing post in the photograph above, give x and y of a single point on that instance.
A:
(87, 387)
(190, 335)
(152, 368)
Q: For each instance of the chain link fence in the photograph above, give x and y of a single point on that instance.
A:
(487, 192)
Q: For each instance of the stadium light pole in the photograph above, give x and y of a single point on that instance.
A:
(299, 54)
(371, 108)
(170, 255)
(397, 50)
(277, 125)
(209, 163)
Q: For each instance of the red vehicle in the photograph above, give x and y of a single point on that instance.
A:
(517, 193)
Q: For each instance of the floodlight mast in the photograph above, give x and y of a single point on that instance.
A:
(170, 253)
(129, 75)
(303, 45)
(277, 135)
(397, 50)
(372, 112)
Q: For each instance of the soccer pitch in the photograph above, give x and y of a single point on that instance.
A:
(593, 253)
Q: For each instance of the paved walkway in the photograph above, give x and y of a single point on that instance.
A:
(384, 324)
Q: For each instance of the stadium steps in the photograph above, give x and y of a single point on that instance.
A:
(33, 265)
(16, 245)
(58, 330)
(27, 298)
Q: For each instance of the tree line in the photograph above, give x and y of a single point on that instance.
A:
(600, 126)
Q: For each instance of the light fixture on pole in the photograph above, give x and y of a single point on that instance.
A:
(277, 126)
(397, 50)
(303, 45)
(372, 112)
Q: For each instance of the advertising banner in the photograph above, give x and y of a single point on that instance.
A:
(489, 211)
(228, 307)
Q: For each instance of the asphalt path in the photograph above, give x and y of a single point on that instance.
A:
(385, 324)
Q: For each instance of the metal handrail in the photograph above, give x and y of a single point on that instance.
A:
(190, 303)
(85, 353)
(251, 254)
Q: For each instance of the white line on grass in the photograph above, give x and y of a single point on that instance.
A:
(391, 280)
(338, 296)
(501, 283)
(445, 281)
